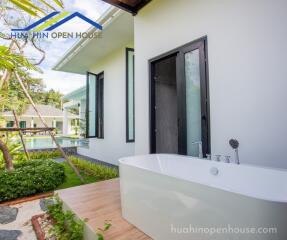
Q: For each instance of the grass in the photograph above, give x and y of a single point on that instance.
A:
(91, 172)
(72, 180)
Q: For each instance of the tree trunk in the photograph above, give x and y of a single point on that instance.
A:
(5, 77)
(6, 156)
(45, 124)
(21, 135)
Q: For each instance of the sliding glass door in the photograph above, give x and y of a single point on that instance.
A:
(180, 127)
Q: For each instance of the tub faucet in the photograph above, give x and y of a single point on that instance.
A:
(199, 143)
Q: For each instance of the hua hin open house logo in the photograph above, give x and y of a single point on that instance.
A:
(44, 27)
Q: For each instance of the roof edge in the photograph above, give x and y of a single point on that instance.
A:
(110, 13)
(76, 91)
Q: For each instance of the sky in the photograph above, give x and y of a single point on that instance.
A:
(56, 48)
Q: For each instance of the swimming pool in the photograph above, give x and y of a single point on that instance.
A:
(46, 142)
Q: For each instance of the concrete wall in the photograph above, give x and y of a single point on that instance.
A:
(114, 145)
(247, 70)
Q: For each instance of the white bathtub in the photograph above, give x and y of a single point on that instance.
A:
(177, 197)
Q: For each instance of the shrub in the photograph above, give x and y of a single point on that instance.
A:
(65, 226)
(100, 171)
(40, 155)
(30, 177)
(19, 157)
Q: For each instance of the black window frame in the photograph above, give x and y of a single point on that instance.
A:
(100, 106)
(128, 139)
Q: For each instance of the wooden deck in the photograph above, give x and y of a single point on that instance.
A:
(97, 203)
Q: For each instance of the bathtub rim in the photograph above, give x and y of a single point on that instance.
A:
(122, 162)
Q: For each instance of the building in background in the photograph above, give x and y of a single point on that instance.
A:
(75, 100)
(53, 117)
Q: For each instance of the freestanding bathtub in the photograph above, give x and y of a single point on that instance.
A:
(178, 197)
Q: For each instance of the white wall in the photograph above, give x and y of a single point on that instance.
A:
(247, 70)
(114, 145)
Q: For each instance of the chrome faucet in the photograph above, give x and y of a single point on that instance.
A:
(200, 154)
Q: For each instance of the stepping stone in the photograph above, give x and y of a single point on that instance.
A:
(8, 214)
(9, 234)
(44, 203)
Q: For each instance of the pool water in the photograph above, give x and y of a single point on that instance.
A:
(46, 142)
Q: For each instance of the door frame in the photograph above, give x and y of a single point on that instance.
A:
(205, 103)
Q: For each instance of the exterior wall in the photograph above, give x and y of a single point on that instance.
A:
(247, 73)
(114, 145)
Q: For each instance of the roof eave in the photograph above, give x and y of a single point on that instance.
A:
(82, 42)
(128, 8)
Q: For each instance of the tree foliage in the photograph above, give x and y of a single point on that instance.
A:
(10, 61)
(51, 97)
(13, 98)
(37, 8)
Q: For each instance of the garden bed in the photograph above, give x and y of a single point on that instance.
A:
(42, 225)
(56, 224)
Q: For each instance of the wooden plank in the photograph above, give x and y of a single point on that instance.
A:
(98, 202)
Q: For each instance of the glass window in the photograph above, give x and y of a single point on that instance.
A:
(91, 104)
(130, 107)
(95, 105)
(193, 101)
(10, 124)
(22, 124)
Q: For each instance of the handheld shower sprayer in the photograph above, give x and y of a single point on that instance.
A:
(235, 144)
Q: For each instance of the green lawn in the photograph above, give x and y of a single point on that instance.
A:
(73, 180)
